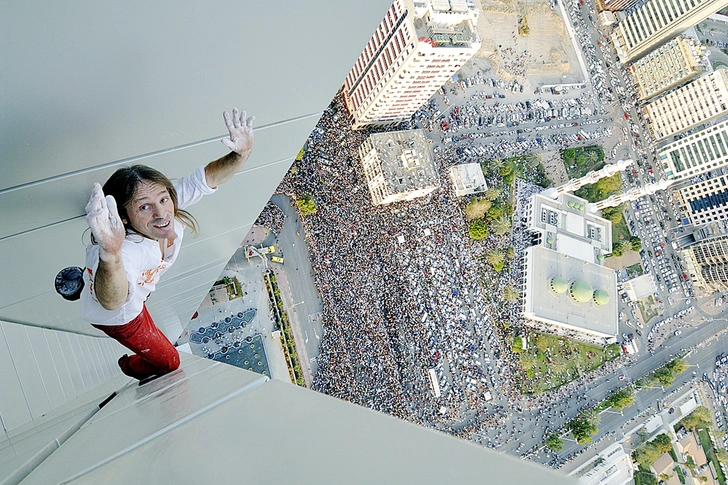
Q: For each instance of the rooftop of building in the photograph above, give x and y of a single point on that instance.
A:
(640, 287)
(612, 466)
(573, 292)
(405, 159)
(446, 23)
(468, 178)
(568, 228)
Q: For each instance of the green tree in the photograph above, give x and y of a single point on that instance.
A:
(478, 230)
(554, 442)
(621, 399)
(306, 205)
(664, 376)
(582, 429)
(496, 164)
(617, 249)
(591, 415)
(592, 157)
(495, 258)
(510, 294)
(494, 213)
(677, 366)
(647, 454)
(517, 346)
(569, 154)
(613, 214)
(636, 243)
(699, 418)
(501, 225)
(721, 454)
(510, 252)
(477, 208)
(663, 443)
(505, 170)
(492, 193)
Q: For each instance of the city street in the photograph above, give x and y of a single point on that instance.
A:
(305, 308)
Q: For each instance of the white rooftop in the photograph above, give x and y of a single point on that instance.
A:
(640, 287)
(468, 178)
(543, 304)
(567, 227)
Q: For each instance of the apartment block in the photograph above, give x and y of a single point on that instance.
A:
(416, 48)
(657, 21)
(696, 154)
(669, 66)
(695, 103)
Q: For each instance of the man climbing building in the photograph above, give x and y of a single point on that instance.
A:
(137, 222)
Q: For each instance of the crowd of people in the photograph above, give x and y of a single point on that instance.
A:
(272, 217)
(394, 311)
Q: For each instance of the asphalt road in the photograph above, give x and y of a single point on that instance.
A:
(306, 305)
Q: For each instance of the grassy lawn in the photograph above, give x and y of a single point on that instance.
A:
(710, 453)
(680, 474)
(635, 270)
(648, 308)
(550, 361)
(620, 232)
(581, 160)
(644, 476)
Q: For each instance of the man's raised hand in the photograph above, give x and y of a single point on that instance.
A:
(241, 132)
(103, 218)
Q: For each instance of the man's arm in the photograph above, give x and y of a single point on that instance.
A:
(110, 283)
(241, 144)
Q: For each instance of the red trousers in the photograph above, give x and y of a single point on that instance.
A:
(154, 353)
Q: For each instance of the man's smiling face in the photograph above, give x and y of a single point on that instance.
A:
(151, 211)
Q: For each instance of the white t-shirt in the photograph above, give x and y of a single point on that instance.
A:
(143, 262)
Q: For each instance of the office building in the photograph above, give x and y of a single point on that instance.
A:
(700, 101)
(615, 5)
(417, 47)
(398, 166)
(611, 466)
(657, 21)
(696, 153)
(705, 201)
(668, 66)
(707, 263)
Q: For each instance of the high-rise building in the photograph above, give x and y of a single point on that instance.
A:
(615, 5)
(689, 106)
(707, 263)
(398, 166)
(705, 201)
(696, 153)
(416, 48)
(668, 66)
(656, 21)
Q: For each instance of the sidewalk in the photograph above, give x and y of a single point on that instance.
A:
(295, 325)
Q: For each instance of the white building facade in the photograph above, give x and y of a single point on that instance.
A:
(689, 106)
(668, 66)
(417, 47)
(696, 153)
(656, 21)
